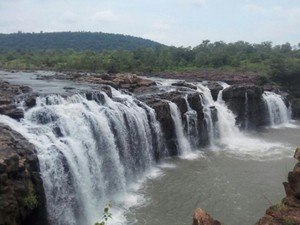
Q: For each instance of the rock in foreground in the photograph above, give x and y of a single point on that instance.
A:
(21, 190)
(203, 218)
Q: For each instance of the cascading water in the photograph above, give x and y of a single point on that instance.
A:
(191, 123)
(226, 119)
(92, 147)
(277, 110)
(208, 104)
(89, 150)
(183, 144)
(246, 111)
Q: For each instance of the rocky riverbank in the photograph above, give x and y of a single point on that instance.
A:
(286, 212)
(22, 199)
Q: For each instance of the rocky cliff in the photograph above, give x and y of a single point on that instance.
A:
(21, 190)
(246, 102)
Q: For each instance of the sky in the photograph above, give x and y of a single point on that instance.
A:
(172, 22)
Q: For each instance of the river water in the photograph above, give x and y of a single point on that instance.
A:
(235, 186)
(92, 151)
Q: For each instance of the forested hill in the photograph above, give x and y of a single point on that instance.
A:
(78, 41)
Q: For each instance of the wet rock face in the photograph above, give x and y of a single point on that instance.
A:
(21, 191)
(9, 93)
(203, 218)
(247, 103)
(180, 96)
(214, 88)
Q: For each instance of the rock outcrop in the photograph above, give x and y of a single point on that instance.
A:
(120, 81)
(184, 98)
(21, 191)
(9, 94)
(247, 103)
(203, 218)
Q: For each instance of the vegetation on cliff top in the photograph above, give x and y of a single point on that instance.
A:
(281, 62)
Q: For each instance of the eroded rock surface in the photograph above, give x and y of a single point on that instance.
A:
(203, 218)
(21, 190)
(247, 103)
(120, 81)
(9, 94)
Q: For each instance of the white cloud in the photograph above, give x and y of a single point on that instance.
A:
(69, 17)
(254, 8)
(199, 2)
(106, 16)
(161, 25)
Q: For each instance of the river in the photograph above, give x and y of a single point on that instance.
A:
(235, 187)
(95, 148)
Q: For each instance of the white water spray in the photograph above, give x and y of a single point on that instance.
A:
(88, 150)
(183, 144)
(278, 112)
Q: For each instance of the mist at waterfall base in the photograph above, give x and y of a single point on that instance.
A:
(94, 150)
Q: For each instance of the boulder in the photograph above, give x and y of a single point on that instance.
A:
(163, 115)
(9, 94)
(214, 88)
(203, 218)
(247, 103)
(185, 84)
(22, 197)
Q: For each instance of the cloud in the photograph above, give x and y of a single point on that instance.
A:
(199, 3)
(195, 3)
(106, 16)
(254, 8)
(161, 25)
(69, 17)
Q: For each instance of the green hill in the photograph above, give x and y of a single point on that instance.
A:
(79, 41)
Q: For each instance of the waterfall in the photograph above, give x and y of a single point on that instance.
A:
(89, 150)
(183, 144)
(91, 147)
(191, 124)
(226, 120)
(277, 110)
(246, 111)
(207, 102)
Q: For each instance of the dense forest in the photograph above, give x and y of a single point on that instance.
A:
(79, 41)
(128, 54)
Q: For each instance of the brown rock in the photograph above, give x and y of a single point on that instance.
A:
(19, 180)
(9, 93)
(203, 218)
(297, 154)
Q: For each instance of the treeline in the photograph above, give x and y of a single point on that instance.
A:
(79, 41)
(279, 61)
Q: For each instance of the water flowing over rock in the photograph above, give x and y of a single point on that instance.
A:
(247, 103)
(89, 150)
(278, 112)
(8, 96)
(92, 145)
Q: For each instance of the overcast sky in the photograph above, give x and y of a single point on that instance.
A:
(172, 22)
